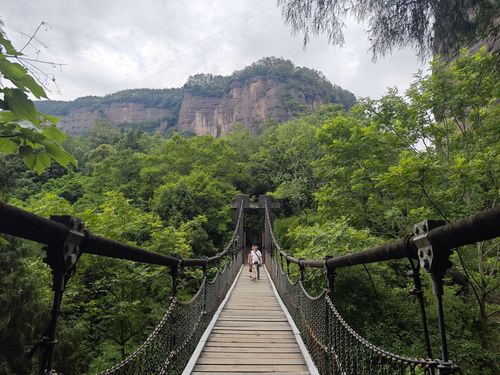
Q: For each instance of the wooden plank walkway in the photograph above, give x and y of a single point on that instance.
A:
(252, 335)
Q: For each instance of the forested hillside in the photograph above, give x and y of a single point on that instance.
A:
(284, 92)
(349, 178)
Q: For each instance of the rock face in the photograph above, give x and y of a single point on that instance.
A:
(271, 88)
(81, 120)
(250, 103)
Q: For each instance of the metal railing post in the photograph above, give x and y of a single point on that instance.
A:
(205, 281)
(174, 273)
(330, 277)
(62, 258)
(419, 294)
(302, 270)
(435, 263)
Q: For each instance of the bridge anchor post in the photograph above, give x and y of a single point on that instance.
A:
(436, 262)
(302, 270)
(61, 258)
(239, 203)
(330, 277)
(418, 292)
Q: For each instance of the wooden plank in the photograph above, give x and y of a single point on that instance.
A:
(250, 368)
(255, 320)
(246, 355)
(251, 327)
(222, 330)
(253, 344)
(248, 361)
(255, 338)
(241, 312)
(249, 373)
(253, 324)
(253, 307)
(244, 339)
(249, 305)
(246, 349)
(256, 333)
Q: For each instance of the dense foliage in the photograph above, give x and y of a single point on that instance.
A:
(347, 179)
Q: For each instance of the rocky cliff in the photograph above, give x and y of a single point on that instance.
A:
(81, 120)
(268, 89)
(250, 103)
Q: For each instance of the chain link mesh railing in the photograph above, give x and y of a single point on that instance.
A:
(335, 347)
(168, 348)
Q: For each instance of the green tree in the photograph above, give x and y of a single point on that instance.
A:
(190, 197)
(458, 172)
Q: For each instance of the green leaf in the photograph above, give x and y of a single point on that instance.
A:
(34, 87)
(19, 103)
(25, 150)
(18, 75)
(11, 71)
(9, 48)
(29, 160)
(49, 118)
(7, 116)
(38, 161)
(43, 161)
(53, 133)
(59, 155)
(8, 146)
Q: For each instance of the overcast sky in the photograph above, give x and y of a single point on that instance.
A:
(111, 45)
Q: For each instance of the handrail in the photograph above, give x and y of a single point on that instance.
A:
(23, 224)
(431, 244)
(66, 240)
(479, 227)
(309, 319)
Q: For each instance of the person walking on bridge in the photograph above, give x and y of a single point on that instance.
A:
(250, 264)
(256, 259)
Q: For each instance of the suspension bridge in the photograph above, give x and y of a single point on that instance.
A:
(274, 326)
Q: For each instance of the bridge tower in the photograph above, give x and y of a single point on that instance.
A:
(242, 201)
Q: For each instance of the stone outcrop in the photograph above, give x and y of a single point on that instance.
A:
(81, 120)
(250, 103)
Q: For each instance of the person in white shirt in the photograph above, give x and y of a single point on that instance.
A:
(256, 259)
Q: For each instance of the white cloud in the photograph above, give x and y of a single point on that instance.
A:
(113, 45)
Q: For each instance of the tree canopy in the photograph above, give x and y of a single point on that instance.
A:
(441, 26)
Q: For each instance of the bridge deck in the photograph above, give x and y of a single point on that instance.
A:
(252, 335)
